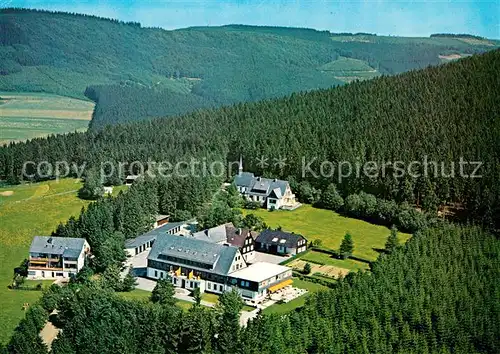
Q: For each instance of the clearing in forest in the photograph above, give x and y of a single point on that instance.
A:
(30, 115)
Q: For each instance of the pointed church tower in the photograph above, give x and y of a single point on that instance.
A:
(240, 166)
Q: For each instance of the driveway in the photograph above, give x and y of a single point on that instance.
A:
(138, 263)
(145, 284)
(269, 258)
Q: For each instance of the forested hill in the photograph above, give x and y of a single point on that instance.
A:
(444, 114)
(135, 73)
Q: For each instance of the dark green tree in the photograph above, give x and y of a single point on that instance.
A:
(92, 186)
(392, 241)
(307, 268)
(347, 246)
(331, 199)
(163, 293)
(229, 308)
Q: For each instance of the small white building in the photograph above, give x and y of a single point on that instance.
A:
(130, 179)
(270, 193)
(259, 280)
(56, 257)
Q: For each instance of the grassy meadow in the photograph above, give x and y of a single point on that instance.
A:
(25, 211)
(330, 228)
(30, 115)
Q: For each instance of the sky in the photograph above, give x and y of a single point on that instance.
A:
(384, 17)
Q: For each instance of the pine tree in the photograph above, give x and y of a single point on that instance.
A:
(229, 308)
(307, 268)
(347, 246)
(92, 186)
(129, 282)
(163, 293)
(331, 199)
(392, 241)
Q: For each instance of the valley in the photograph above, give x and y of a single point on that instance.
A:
(247, 189)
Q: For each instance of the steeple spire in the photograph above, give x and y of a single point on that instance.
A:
(240, 166)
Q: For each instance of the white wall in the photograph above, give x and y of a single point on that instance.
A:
(47, 274)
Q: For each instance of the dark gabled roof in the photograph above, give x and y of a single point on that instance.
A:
(244, 179)
(152, 235)
(219, 257)
(260, 186)
(236, 237)
(275, 237)
(63, 246)
(276, 193)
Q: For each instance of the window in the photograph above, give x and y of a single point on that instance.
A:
(209, 286)
(156, 274)
(242, 283)
(247, 284)
(31, 272)
(221, 288)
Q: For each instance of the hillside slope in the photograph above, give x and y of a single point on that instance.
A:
(444, 115)
(152, 72)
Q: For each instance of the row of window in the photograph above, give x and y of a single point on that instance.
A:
(237, 266)
(209, 287)
(185, 261)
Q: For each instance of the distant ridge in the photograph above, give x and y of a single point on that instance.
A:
(144, 73)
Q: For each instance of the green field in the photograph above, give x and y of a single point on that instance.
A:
(349, 69)
(25, 211)
(330, 228)
(326, 259)
(29, 115)
(298, 302)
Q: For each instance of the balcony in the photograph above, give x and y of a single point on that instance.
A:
(44, 259)
(38, 267)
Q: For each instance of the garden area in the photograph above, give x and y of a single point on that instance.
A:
(330, 228)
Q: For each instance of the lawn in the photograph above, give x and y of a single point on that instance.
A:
(298, 302)
(326, 259)
(144, 295)
(25, 211)
(214, 299)
(29, 115)
(330, 228)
